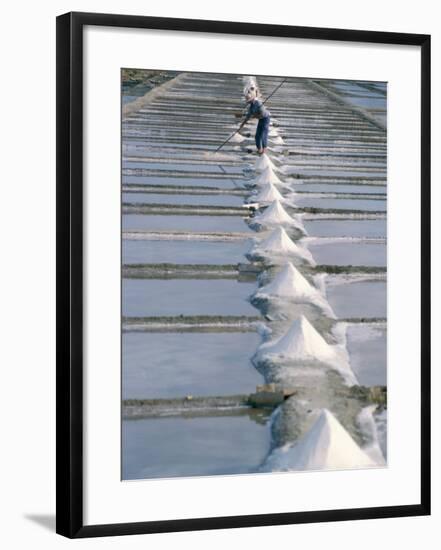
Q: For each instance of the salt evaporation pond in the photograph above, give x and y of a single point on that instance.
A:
(164, 365)
(222, 224)
(153, 297)
(337, 172)
(222, 183)
(183, 252)
(198, 446)
(184, 167)
(346, 228)
(347, 253)
(164, 198)
(367, 348)
(342, 204)
(358, 299)
(339, 188)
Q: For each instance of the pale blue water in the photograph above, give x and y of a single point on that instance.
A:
(367, 347)
(361, 299)
(363, 254)
(346, 228)
(183, 167)
(151, 297)
(162, 365)
(222, 183)
(184, 252)
(164, 198)
(343, 204)
(339, 188)
(204, 224)
(200, 446)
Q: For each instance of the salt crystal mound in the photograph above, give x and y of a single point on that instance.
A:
(277, 140)
(268, 176)
(326, 446)
(262, 163)
(303, 345)
(291, 284)
(267, 194)
(237, 138)
(275, 214)
(279, 243)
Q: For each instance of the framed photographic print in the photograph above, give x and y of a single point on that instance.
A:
(243, 289)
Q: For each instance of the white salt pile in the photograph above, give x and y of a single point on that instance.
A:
(279, 243)
(262, 163)
(301, 343)
(275, 214)
(267, 194)
(267, 176)
(326, 446)
(237, 138)
(291, 284)
(277, 140)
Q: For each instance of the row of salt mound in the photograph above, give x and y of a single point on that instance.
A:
(327, 445)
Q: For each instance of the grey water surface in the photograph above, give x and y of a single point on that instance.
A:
(165, 365)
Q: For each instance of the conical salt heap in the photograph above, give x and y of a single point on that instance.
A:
(278, 140)
(262, 163)
(326, 446)
(267, 194)
(237, 138)
(267, 176)
(278, 242)
(275, 214)
(301, 343)
(291, 284)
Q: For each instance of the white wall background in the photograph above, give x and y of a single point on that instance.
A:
(27, 218)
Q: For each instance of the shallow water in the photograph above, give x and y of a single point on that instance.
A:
(184, 252)
(358, 299)
(367, 347)
(164, 198)
(151, 297)
(346, 228)
(362, 254)
(222, 224)
(343, 204)
(340, 188)
(200, 446)
(183, 167)
(164, 365)
(221, 183)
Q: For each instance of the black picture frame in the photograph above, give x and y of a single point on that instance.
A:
(69, 223)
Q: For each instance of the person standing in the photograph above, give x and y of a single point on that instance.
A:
(256, 109)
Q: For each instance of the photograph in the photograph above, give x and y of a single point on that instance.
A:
(253, 274)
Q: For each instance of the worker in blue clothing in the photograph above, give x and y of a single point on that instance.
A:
(256, 109)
